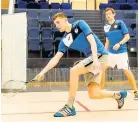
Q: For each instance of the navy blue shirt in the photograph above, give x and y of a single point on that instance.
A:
(76, 39)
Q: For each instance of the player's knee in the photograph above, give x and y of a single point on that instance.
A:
(73, 71)
(94, 95)
(126, 71)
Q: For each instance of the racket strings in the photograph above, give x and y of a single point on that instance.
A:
(12, 87)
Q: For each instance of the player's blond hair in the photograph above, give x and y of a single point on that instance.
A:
(110, 9)
(60, 15)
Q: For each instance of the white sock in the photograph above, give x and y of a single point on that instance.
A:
(70, 102)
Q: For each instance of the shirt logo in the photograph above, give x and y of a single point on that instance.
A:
(115, 26)
(76, 30)
(68, 40)
(107, 28)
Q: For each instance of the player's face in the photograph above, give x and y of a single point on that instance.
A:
(109, 15)
(60, 24)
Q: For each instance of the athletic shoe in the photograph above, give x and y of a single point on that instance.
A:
(136, 95)
(65, 111)
(121, 100)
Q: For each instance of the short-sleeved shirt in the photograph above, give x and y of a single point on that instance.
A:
(76, 39)
(115, 33)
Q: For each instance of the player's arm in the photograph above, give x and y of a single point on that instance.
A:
(93, 44)
(52, 63)
(89, 35)
(125, 32)
(107, 44)
(125, 39)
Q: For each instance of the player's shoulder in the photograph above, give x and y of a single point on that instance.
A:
(75, 23)
(78, 22)
(119, 21)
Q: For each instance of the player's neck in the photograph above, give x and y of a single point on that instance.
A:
(68, 27)
(111, 21)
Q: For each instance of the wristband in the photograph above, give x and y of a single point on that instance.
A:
(120, 44)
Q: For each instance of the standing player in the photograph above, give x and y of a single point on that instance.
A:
(116, 37)
(80, 37)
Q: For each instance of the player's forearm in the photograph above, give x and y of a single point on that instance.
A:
(125, 39)
(106, 46)
(52, 63)
(94, 52)
(93, 48)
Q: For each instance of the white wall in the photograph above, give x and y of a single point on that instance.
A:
(14, 43)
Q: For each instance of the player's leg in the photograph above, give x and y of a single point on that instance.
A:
(93, 82)
(123, 64)
(95, 92)
(75, 72)
(111, 62)
(102, 84)
(132, 81)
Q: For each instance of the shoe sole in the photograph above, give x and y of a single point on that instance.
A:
(65, 116)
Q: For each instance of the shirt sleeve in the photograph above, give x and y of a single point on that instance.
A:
(105, 35)
(85, 28)
(62, 47)
(124, 28)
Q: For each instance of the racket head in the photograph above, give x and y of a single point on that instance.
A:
(12, 87)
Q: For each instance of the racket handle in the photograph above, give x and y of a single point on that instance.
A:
(33, 80)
